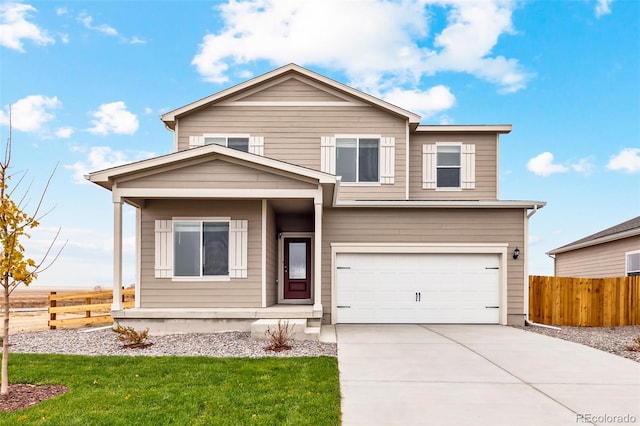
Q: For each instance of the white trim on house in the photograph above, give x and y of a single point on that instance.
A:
(444, 204)
(263, 253)
(444, 128)
(500, 249)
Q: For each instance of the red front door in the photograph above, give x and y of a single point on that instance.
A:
(297, 268)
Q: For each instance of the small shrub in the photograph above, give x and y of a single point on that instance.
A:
(635, 346)
(131, 338)
(279, 338)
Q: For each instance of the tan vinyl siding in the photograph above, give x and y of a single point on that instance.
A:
(293, 133)
(165, 293)
(599, 261)
(291, 89)
(486, 186)
(272, 257)
(428, 226)
(215, 174)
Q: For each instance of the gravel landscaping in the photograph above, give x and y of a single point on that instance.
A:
(104, 342)
(614, 340)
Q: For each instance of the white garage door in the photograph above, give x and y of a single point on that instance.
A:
(417, 288)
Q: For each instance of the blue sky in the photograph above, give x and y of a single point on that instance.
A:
(88, 80)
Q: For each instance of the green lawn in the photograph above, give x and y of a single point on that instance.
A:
(116, 390)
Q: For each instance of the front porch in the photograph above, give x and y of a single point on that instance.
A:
(305, 321)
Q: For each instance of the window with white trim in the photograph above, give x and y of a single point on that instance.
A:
(448, 166)
(201, 248)
(359, 158)
(632, 263)
(241, 142)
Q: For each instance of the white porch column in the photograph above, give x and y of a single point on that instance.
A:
(117, 256)
(317, 255)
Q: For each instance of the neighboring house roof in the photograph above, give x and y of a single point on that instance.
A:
(441, 128)
(627, 229)
(169, 118)
(105, 177)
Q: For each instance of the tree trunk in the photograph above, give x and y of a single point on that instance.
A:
(4, 388)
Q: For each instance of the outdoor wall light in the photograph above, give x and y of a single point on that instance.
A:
(516, 253)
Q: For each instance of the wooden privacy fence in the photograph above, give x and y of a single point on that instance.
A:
(81, 308)
(595, 302)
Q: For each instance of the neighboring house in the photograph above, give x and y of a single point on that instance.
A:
(293, 196)
(614, 252)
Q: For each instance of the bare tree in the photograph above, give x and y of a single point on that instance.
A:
(15, 224)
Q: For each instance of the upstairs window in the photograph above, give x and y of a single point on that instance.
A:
(633, 264)
(357, 159)
(448, 166)
(245, 143)
(239, 143)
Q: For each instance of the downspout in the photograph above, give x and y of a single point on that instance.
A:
(527, 321)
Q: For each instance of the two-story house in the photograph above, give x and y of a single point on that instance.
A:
(293, 196)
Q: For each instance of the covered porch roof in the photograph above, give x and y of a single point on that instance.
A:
(131, 182)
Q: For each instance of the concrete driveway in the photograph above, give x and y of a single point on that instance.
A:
(479, 375)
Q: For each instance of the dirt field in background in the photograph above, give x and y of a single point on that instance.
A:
(34, 297)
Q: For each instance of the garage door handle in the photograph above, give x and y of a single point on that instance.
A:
(344, 306)
(418, 297)
(343, 267)
(492, 267)
(492, 307)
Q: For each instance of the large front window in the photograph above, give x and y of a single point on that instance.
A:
(357, 159)
(200, 248)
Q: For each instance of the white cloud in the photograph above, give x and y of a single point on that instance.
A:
(64, 132)
(114, 118)
(603, 7)
(100, 158)
(389, 39)
(62, 11)
(584, 166)
(87, 21)
(29, 114)
(14, 27)
(627, 160)
(426, 103)
(542, 165)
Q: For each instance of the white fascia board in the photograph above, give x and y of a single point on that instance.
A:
(603, 240)
(493, 128)
(148, 193)
(170, 117)
(105, 176)
(442, 204)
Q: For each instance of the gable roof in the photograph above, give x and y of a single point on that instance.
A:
(170, 117)
(627, 229)
(105, 178)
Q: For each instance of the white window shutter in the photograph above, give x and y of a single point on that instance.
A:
(256, 145)
(328, 154)
(429, 174)
(468, 166)
(238, 249)
(164, 248)
(387, 160)
(195, 141)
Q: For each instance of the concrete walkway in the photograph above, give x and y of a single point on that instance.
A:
(479, 375)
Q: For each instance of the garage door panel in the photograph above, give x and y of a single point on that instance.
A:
(418, 288)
